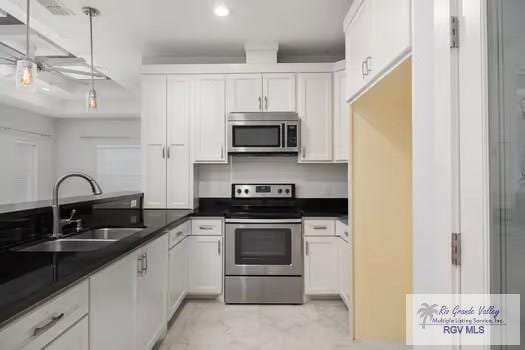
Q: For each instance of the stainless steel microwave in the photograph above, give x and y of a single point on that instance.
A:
(264, 132)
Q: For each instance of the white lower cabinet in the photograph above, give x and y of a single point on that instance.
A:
(57, 324)
(75, 338)
(128, 300)
(345, 271)
(151, 293)
(178, 276)
(321, 266)
(113, 294)
(205, 265)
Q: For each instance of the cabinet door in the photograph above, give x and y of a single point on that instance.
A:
(321, 266)
(210, 120)
(391, 32)
(114, 286)
(75, 338)
(345, 271)
(244, 93)
(315, 111)
(151, 305)
(178, 276)
(359, 41)
(153, 124)
(179, 178)
(205, 265)
(279, 92)
(342, 125)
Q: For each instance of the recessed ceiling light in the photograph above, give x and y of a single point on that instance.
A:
(221, 11)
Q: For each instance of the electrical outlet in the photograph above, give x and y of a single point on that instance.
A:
(134, 203)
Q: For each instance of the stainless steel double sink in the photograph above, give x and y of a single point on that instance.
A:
(83, 242)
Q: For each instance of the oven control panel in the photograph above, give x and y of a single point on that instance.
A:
(263, 191)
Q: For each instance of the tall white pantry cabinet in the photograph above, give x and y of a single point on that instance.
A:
(167, 170)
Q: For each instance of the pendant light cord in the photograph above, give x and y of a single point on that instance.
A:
(91, 40)
(27, 29)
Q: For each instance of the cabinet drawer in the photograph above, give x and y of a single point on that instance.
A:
(42, 325)
(178, 233)
(206, 227)
(324, 227)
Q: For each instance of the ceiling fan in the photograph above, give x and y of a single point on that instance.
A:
(26, 67)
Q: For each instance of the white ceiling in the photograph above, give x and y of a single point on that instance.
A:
(130, 31)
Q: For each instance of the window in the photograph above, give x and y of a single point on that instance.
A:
(25, 179)
(118, 168)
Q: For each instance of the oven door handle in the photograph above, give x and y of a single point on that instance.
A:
(262, 221)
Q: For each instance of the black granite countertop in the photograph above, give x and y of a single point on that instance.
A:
(27, 279)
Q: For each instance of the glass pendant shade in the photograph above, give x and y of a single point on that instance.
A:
(92, 103)
(26, 72)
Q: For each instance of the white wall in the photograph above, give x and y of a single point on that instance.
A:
(312, 180)
(32, 124)
(77, 142)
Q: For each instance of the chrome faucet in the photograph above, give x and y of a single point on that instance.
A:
(58, 222)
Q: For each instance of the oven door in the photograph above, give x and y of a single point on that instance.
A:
(255, 137)
(264, 248)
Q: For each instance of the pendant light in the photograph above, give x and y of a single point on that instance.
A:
(92, 102)
(26, 69)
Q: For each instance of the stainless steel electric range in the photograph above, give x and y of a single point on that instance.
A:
(263, 246)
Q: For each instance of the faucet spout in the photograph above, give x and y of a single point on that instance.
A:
(95, 188)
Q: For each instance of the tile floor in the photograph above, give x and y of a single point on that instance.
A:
(210, 325)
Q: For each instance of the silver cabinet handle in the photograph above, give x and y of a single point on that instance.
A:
(163, 152)
(303, 152)
(222, 152)
(168, 151)
(266, 102)
(346, 233)
(319, 227)
(219, 247)
(146, 262)
(206, 227)
(179, 233)
(50, 323)
(260, 103)
(363, 73)
(307, 248)
(140, 265)
(368, 63)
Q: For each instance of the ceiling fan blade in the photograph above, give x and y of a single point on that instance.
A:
(63, 76)
(79, 72)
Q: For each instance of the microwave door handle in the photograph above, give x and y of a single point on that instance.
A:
(284, 142)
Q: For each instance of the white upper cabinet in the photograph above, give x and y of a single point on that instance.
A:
(279, 92)
(210, 120)
(315, 111)
(342, 125)
(244, 93)
(358, 48)
(272, 92)
(179, 167)
(392, 28)
(377, 38)
(153, 123)
(167, 171)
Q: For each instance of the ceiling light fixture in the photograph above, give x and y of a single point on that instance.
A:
(221, 11)
(26, 69)
(92, 103)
